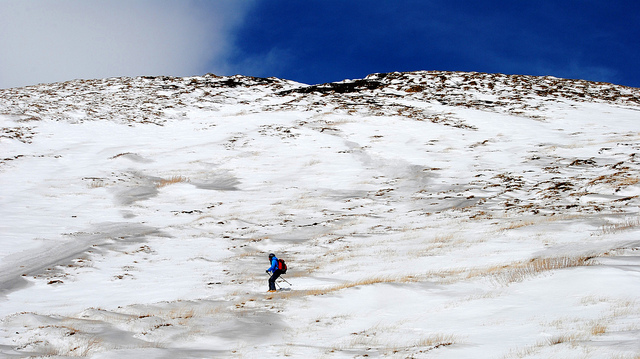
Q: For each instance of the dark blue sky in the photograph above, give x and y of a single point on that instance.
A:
(316, 41)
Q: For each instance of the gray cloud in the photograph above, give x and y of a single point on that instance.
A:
(48, 41)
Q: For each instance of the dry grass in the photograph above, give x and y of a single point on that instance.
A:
(379, 339)
(313, 162)
(585, 333)
(593, 300)
(72, 342)
(629, 181)
(181, 313)
(628, 223)
(437, 340)
(375, 280)
(252, 254)
(97, 184)
(518, 271)
(347, 285)
(438, 244)
(523, 352)
(517, 224)
(173, 180)
(414, 89)
(89, 345)
(622, 356)
(564, 338)
(598, 329)
(540, 345)
(501, 274)
(618, 179)
(507, 273)
(537, 220)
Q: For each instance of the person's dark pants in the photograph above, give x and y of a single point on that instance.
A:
(272, 279)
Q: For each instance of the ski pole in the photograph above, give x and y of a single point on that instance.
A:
(285, 281)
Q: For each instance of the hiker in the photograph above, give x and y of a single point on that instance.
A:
(275, 272)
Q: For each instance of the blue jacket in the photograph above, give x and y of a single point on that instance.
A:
(274, 264)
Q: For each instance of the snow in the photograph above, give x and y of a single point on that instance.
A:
(481, 216)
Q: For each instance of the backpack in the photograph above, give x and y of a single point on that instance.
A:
(282, 266)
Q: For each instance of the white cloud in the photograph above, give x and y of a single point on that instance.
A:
(48, 41)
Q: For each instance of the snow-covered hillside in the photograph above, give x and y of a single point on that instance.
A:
(423, 214)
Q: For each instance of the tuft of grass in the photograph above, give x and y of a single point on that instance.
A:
(439, 243)
(538, 220)
(618, 179)
(598, 329)
(628, 223)
(518, 271)
(437, 340)
(628, 181)
(414, 89)
(517, 224)
(564, 338)
(375, 338)
(171, 180)
(97, 184)
(182, 314)
(534, 349)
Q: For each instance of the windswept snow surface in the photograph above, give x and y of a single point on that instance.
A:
(426, 214)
